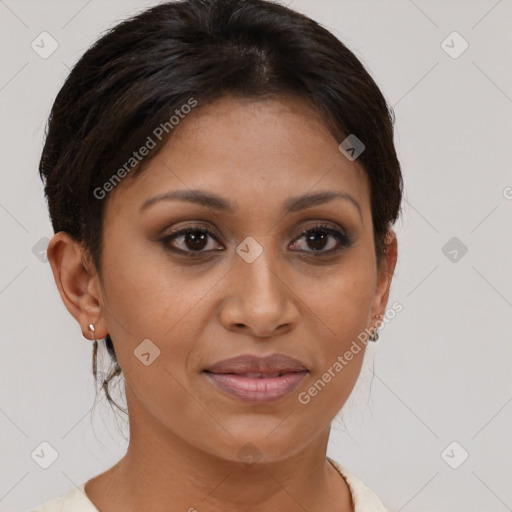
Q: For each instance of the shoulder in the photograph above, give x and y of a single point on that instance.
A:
(54, 505)
(75, 500)
(364, 498)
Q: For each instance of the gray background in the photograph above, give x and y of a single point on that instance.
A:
(440, 372)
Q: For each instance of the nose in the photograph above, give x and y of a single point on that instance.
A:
(260, 299)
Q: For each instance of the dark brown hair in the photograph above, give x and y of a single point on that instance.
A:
(143, 69)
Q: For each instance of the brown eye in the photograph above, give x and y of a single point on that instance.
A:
(323, 239)
(191, 239)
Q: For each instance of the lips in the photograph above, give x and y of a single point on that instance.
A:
(271, 365)
(256, 379)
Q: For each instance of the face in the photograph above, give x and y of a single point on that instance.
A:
(261, 272)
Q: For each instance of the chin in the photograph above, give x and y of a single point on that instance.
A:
(257, 446)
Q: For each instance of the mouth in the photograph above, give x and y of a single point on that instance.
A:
(257, 380)
(257, 388)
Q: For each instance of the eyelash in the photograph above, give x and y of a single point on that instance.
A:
(344, 241)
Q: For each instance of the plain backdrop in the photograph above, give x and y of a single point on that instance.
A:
(428, 425)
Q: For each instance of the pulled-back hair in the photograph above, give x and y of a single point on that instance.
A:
(147, 67)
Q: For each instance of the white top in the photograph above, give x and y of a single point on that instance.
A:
(77, 501)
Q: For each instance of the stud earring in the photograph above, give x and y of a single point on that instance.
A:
(374, 336)
(91, 328)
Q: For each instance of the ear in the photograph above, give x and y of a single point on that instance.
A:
(385, 273)
(78, 283)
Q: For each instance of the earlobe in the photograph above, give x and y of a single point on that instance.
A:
(73, 281)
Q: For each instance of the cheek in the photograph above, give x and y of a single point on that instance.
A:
(148, 295)
(344, 313)
(344, 307)
(344, 300)
(155, 302)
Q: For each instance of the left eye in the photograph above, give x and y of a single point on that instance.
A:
(317, 237)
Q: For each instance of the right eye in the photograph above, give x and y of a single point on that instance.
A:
(193, 239)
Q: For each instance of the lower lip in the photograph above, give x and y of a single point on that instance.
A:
(257, 389)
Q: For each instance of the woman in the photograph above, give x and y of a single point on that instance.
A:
(222, 183)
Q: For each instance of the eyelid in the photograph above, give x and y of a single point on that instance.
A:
(319, 223)
(323, 224)
(197, 226)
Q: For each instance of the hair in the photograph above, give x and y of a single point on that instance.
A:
(147, 67)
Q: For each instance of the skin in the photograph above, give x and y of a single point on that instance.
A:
(185, 433)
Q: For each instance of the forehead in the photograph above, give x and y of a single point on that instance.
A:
(252, 151)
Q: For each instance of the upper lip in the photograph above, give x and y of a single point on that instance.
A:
(255, 364)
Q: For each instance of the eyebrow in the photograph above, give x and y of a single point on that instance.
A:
(218, 203)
